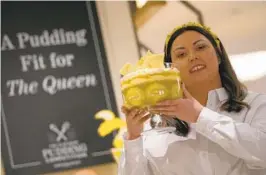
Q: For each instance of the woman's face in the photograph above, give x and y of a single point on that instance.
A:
(195, 57)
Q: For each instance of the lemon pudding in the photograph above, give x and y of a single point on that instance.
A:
(149, 81)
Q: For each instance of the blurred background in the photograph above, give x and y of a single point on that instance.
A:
(116, 32)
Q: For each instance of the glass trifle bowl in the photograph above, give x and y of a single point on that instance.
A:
(148, 82)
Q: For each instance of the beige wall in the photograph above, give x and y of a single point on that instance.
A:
(237, 23)
(119, 39)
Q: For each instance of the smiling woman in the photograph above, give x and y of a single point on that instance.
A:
(227, 122)
(207, 51)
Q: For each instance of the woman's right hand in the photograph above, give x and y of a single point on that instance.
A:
(135, 119)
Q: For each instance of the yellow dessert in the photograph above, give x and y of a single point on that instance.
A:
(134, 96)
(149, 82)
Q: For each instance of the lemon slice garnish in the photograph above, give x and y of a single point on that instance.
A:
(155, 61)
(147, 61)
(126, 69)
(135, 96)
(156, 92)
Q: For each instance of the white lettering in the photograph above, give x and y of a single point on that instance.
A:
(11, 84)
(7, 44)
(58, 152)
(44, 39)
(54, 38)
(47, 153)
(49, 84)
(22, 38)
(60, 61)
(37, 60)
(52, 85)
(20, 87)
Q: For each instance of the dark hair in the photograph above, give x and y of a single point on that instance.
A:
(235, 89)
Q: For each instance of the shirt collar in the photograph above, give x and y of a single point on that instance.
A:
(220, 93)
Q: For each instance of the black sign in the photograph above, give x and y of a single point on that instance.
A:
(55, 78)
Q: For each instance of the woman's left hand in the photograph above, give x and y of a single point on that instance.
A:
(186, 109)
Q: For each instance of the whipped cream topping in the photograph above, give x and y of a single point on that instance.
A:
(147, 71)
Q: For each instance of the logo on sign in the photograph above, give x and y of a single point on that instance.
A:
(64, 149)
(60, 132)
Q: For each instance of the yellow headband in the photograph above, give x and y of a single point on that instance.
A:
(207, 29)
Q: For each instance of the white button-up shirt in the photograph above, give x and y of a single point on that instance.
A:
(220, 143)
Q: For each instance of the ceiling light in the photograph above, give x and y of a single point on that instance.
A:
(140, 3)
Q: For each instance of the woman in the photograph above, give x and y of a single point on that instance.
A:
(229, 122)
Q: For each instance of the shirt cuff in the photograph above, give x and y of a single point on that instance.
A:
(133, 146)
(206, 121)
